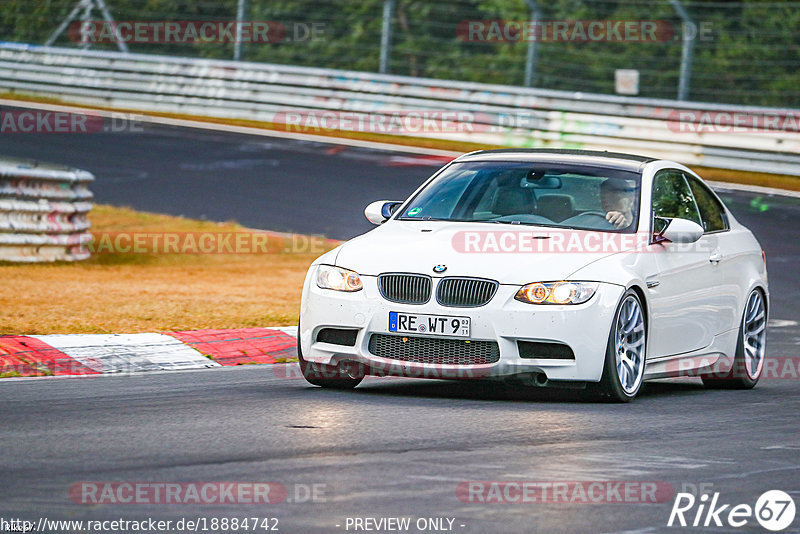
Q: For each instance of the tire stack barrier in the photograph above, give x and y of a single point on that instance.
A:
(43, 212)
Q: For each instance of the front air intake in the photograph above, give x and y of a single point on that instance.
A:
(439, 351)
(544, 351)
(338, 336)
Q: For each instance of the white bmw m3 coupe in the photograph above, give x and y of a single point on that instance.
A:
(545, 267)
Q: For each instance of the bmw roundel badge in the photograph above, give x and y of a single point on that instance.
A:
(440, 268)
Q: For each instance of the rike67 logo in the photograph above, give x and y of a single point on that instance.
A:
(774, 510)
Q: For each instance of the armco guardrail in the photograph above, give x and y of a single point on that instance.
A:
(43, 212)
(694, 133)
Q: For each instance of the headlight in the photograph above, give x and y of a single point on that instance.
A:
(330, 277)
(557, 292)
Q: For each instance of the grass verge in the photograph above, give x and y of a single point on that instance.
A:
(150, 292)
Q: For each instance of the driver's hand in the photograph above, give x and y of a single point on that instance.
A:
(617, 218)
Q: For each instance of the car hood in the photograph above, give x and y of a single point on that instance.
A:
(506, 253)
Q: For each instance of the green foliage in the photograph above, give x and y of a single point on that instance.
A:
(748, 53)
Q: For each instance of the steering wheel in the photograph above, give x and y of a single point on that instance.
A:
(581, 217)
(526, 218)
(592, 213)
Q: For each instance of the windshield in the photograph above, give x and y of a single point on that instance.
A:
(541, 194)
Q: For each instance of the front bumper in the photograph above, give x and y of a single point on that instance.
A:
(584, 328)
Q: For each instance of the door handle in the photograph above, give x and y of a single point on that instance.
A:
(715, 257)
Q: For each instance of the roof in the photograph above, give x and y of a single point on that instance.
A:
(596, 157)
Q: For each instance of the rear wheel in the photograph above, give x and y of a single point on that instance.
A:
(623, 370)
(750, 349)
(346, 375)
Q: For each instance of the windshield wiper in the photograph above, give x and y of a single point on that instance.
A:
(495, 221)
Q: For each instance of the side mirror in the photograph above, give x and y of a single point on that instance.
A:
(678, 231)
(379, 211)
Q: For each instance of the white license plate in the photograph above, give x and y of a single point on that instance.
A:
(435, 325)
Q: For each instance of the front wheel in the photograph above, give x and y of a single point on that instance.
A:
(623, 370)
(343, 376)
(750, 349)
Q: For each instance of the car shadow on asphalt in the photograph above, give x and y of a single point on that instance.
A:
(499, 391)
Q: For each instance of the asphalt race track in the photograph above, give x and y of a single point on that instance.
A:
(261, 182)
(392, 447)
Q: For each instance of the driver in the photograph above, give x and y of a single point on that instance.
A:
(617, 199)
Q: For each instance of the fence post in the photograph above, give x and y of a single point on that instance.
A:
(530, 60)
(386, 35)
(687, 51)
(237, 46)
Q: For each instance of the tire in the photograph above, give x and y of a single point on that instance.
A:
(626, 350)
(751, 349)
(346, 376)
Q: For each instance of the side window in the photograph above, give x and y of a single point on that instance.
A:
(711, 211)
(672, 197)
